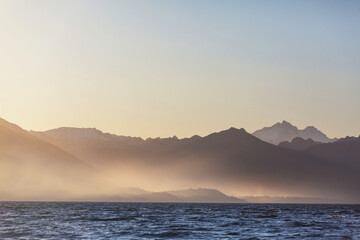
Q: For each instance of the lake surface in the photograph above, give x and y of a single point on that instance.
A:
(68, 220)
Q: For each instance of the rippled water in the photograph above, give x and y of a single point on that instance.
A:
(54, 220)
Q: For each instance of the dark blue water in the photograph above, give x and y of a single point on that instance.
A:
(53, 220)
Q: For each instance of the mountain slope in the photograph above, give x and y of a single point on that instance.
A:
(285, 131)
(16, 142)
(34, 167)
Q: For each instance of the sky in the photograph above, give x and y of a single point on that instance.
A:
(163, 68)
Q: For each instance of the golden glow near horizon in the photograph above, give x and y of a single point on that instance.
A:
(180, 67)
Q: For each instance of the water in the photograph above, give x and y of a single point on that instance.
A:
(55, 220)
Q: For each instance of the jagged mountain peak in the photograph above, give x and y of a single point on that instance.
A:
(285, 131)
(231, 132)
(285, 123)
(235, 130)
(312, 129)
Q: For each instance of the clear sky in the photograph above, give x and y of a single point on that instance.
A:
(163, 68)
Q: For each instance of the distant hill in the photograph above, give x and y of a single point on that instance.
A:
(204, 195)
(201, 195)
(298, 143)
(285, 131)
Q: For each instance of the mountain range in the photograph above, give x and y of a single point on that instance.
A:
(80, 162)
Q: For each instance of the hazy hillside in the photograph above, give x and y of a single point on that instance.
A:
(345, 151)
(18, 143)
(285, 131)
(32, 168)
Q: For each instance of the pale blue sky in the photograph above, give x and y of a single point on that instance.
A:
(159, 68)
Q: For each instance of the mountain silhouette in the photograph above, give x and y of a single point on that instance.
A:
(285, 131)
(298, 143)
(91, 144)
